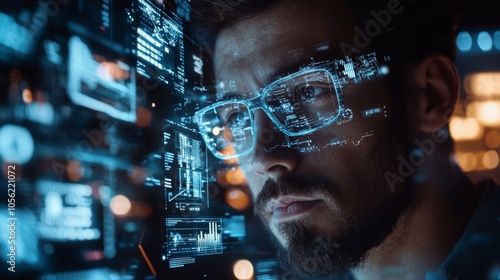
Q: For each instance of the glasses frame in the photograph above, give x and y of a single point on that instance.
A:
(338, 79)
(259, 103)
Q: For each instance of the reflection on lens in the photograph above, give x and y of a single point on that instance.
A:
(304, 102)
(228, 128)
(216, 131)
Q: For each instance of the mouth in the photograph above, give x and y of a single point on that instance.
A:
(287, 208)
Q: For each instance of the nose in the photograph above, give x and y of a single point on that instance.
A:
(271, 157)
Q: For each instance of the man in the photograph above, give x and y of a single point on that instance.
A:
(337, 112)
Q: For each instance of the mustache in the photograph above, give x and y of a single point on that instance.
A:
(292, 186)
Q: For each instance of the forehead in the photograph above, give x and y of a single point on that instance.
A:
(252, 50)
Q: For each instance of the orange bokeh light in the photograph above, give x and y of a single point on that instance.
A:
(144, 117)
(137, 175)
(235, 177)
(74, 171)
(237, 199)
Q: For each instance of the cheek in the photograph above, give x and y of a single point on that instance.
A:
(254, 180)
(368, 112)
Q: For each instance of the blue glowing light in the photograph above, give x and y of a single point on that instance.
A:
(496, 40)
(17, 144)
(15, 36)
(464, 41)
(484, 41)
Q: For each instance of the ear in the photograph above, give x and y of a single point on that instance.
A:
(438, 87)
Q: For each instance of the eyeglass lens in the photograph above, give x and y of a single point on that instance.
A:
(297, 104)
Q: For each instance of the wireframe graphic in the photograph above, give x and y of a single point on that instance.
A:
(185, 179)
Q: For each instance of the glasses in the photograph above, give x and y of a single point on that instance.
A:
(298, 104)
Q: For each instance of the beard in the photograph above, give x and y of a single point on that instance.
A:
(364, 223)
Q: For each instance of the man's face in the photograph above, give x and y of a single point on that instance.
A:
(329, 206)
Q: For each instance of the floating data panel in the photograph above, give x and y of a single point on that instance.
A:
(68, 212)
(99, 83)
(17, 40)
(186, 176)
(160, 45)
(74, 220)
(112, 179)
(189, 238)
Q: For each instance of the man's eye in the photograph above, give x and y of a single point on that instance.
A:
(310, 93)
(236, 117)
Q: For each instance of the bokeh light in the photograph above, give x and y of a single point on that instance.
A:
(27, 95)
(74, 170)
(144, 117)
(466, 161)
(464, 41)
(483, 84)
(465, 129)
(216, 131)
(479, 161)
(486, 112)
(235, 176)
(484, 41)
(120, 205)
(496, 40)
(16, 144)
(490, 159)
(492, 139)
(137, 175)
(243, 270)
(237, 199)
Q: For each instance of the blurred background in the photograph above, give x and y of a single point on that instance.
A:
(475, 125)
(111, 179)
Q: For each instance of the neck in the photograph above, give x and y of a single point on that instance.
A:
(428, 231)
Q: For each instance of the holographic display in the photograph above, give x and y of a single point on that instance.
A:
(112, 179)
(190, 238)
(185, 163)
(101, 84)
(186, 239)
(160, 45)
(68, 212)
(18, 39)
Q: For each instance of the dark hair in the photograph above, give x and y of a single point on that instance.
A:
(422, 28)
(210, 17)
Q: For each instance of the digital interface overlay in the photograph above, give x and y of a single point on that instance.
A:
(112, 180)
(186, 177)
(160, 45)
(299, 104)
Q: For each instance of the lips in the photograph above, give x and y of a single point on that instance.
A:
(286, 208)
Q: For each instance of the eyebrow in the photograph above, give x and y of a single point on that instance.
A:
(238, 95)
(287, 68)
(290, 68)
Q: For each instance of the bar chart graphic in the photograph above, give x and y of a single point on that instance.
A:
(193, 237)
(211, 241)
